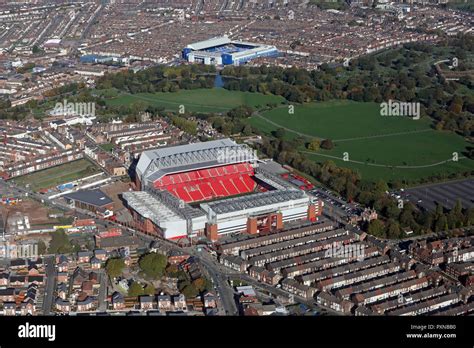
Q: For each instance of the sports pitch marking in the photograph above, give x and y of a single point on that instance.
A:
(383, 165)
(341, 140)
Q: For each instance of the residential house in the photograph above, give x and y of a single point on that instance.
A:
(38, 279)
(95, 263)
(4, 279)
(84, 256)
(164, 302)
(118, 301)
(100, 254)
(62, 305)
(18, 264)
(17, 281)
(179, 302)
(33, 269)
(9, 308)
(209, 300)
(146, 302)
(175, 257)
(7, 295)
(28, 307)
(86, 304)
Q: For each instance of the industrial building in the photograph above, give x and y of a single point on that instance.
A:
(95, 201)
(224, 51)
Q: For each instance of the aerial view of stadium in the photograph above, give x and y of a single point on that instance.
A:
(224, 51)
(201, 164)
(174, 180)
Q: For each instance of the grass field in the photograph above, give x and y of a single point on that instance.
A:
(198, 100)
(58, 175)
(107, 147)
(392, 148)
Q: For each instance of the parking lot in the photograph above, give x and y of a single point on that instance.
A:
(445, 193)
(337, 202)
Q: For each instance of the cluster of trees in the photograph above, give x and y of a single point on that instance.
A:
(184, 124)
(191, 289)
(153, 265)
(160, 79)
(400, 72)
(137, 289)
(233, 122)
(315, 145)
(60, 243)
(420, 222)
(8, 113)
(114, 267)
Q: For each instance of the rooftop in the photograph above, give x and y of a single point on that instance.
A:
(253, 201)
(93, 197)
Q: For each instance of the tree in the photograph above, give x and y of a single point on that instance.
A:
(115, 267)
(41, 247)
(314, 145)
(59, 243)
(381, 186)
(441, 223)
(327, 144)
(393, 229)
(135, 289)
(149, 289)
(280, 133)
(172, 271)
(153, 265)
(376, 228)
(190, 291)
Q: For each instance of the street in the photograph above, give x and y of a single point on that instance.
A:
(50, 284)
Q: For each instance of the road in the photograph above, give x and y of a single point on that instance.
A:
(50, 284)
(101, 299)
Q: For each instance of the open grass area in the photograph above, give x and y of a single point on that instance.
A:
(58, 175)
(339, 120)
(107, 147)
(198, 100)
(391, 148)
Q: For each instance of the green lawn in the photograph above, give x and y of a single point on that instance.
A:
(107, 147)
(392, 148)
(199, 100)
(54, 176)
(340, 120)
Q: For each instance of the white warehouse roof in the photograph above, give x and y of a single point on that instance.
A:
(216, 41)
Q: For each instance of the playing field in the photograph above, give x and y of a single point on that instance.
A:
(54, 176)
(392, 148)
(198, 100)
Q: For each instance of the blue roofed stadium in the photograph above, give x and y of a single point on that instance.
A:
(224, 51)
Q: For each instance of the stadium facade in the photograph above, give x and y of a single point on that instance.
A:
(224, 51)
(212, 189)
